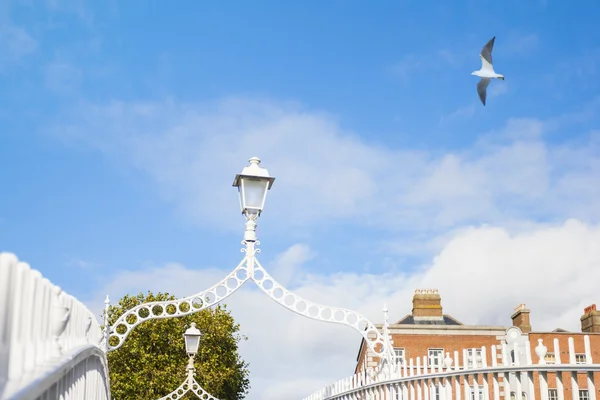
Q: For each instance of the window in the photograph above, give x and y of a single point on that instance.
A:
(436, 357)
(399, 353)
(579, 358)
(552, 394)
(479, 394)
(584, 394)
(513, 395)
(477, 357)
(550, 358)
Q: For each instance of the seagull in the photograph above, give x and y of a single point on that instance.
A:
(487, 70)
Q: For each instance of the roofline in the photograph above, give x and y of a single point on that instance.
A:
(446, 327)
(453, 319)
(410, 315)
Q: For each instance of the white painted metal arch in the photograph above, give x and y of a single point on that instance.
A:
(189, 384)
(248, 268)
(180, 307)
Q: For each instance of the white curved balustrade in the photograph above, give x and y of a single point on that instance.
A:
(49, 341)
(474, 378)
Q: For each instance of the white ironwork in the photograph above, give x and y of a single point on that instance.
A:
(192, 339)
(49, 341)
(413, 380)
(253, 184)
(189, 384)
(248, 269)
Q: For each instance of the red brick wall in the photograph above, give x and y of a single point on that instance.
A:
(417, 345)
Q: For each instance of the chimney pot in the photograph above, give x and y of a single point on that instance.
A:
(589, 309)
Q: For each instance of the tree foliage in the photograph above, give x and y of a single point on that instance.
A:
(152, 361)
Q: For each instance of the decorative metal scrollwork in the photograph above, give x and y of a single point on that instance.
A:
(319, 312)
(189, 384)
(176, 308)
(248, 268)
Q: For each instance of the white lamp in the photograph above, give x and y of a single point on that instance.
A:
(253, 183)
(192, 339)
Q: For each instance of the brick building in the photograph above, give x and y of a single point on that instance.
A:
(428, 332)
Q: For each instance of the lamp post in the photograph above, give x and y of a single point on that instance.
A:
(253, 184)
(192, 340)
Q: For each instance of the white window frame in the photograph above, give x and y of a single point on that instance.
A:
(478, 358)
(550, 358)
(584, 394)
(431, 357)
(553, 394)
(399, 355)
(580, 358)
(472, 393)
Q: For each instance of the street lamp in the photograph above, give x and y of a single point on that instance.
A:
(192, 340)
(253, 183)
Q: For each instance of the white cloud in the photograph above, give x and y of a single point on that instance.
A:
(82, 264)
(62, 77)
(461, 113)
(518, 43)
(498, 88)
(324, 172)
(15, 43)
(405, 67)
(482, 274)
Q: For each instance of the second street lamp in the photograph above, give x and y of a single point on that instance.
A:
(192, 339)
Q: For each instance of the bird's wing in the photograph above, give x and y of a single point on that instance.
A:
(482, 89)
(485, 65)
(486, 52)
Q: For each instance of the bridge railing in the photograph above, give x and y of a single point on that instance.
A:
(475, 379)
(49, 341)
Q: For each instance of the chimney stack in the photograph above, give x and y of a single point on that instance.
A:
(520, 318)
(590, 320)
(427, 305)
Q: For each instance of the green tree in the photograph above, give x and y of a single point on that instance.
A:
(152, 361)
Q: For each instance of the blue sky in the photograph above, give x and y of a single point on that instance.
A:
(122, 125)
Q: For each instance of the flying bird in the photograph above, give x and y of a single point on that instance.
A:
(486, 72)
